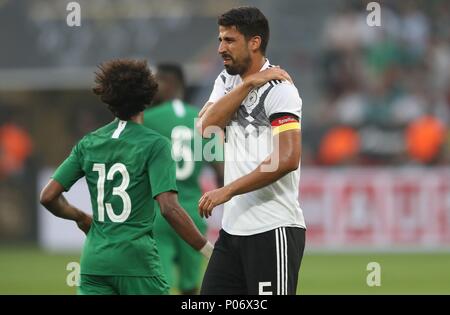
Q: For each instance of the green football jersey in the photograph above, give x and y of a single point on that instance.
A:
(126, 165)
(175, 120)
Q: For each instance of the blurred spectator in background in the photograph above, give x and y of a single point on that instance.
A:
(374, 80)
(387, 88)
(175, 119)
(15, 182)
(424, 139)
(15, 148)
(339, 146)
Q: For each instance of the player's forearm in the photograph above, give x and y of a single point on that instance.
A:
(180, 220)
(284, 158)
(221, 112)
(265, 174)
(62, 209)
(185, 227)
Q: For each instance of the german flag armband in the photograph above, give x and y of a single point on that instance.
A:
(283, 122)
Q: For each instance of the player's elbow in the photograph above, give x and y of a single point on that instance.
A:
(290, 167)
(46, 197)
(208, 127)
(51, 192)
(290, 163)
(166, 212)
(168, 204)
(200, 126)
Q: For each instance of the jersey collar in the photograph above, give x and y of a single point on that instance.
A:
(265, 65)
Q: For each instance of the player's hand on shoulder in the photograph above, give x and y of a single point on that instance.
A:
(260, 78)
(198, 124)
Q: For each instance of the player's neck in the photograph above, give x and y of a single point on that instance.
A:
(257, 64)
(139, 118)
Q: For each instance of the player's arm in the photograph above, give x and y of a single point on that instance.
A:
(53, 199)
(182, 222)
(162, 175)
(285, 158)
(219, 113)
(63, 178)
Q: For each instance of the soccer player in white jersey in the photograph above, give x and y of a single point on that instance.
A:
(260, 246)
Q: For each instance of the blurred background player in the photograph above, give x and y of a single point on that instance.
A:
(174, 119)
(126, 165)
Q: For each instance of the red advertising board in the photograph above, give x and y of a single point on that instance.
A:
(376, 208)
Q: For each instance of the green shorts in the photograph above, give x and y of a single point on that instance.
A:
(178, 259)
(123, 285)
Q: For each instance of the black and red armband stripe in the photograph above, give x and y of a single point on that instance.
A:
(283, 122)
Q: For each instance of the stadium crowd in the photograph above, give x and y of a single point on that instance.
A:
(386, 90)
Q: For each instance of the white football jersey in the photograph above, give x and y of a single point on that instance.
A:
(248, 143)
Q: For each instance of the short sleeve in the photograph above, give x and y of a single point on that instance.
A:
(218, 89)
(70, 170)
(162, 169)
(283, 98)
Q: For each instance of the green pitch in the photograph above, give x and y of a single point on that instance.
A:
(32, 271)
(406, 273)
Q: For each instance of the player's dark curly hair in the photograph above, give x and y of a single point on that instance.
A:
(126, 85)
(249, 21)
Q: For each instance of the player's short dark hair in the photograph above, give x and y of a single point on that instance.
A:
(249, 21)
(127, 86)
(172, 69)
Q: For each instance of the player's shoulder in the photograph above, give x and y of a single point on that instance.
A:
(282, 94)
(284, 90)
(228, 80)
(281, 86)
(158, 142)
(93, 138)
(224, 76)
(147, 138)
(99, 132)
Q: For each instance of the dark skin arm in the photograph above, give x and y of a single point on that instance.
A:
(180, 220)
(289, 149)
(53, 199)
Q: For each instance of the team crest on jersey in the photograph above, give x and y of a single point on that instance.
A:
(251, 100)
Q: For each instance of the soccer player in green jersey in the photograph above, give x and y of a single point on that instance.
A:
(175, 119)
(126, 166)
